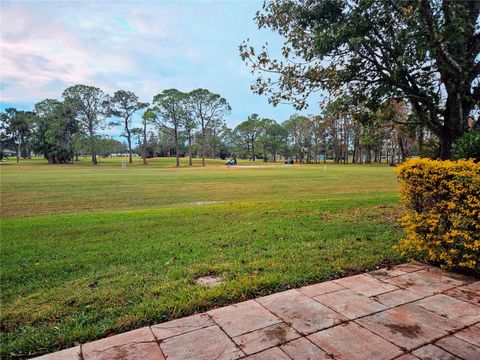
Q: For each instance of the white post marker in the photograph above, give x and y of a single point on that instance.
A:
(124, 164)
(325, 167)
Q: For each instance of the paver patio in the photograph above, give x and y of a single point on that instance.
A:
(407, 312)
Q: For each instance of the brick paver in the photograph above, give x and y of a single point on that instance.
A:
(424, 282)
(350, 341)
(430, 352)
(461, 348)
(451, 308)
(320, 288)
(469, 293)
(302, 349)
(404, 312)
(350, 304)
(137, 344)
(204, 344)
(366, 285)
(244, 317)
(471, 335)
(265, 338)
(302, 313)
(409, 326)
(67, 354)
(181, 326)
(270, 354)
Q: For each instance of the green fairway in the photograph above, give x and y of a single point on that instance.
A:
(90, 251)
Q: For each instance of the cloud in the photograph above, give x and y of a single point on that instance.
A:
(140, 46)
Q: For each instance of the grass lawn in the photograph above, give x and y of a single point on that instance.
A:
(91, 251)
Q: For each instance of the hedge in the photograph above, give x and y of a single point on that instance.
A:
(442, 212)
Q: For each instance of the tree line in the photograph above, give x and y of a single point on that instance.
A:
(398, 79)
(192, 124)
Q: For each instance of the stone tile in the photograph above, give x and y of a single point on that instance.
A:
(459, 347)
(320, 289)
(469, 293)
(451, 308)
(265, 338)
(301, 312)
(244, 317)
(181, 326)
(411, 267)
(204, 344)
(303, 349)
(350, 304)
(424, 282)
(408, 326)
(397, 297)
(270, 354)
(67, 354)
(386, 273)
(471, 335)
(365, 285)
(136, 344)
(430, 351)
(407, 357)
(130, 351)
(466, 279)
(350, 341)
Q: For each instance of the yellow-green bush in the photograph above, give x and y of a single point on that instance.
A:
(442, 212)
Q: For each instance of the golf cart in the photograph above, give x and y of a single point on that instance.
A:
(231, 162)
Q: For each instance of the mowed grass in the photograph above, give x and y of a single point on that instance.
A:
(91, 251)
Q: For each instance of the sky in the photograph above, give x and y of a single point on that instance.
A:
(145, 47)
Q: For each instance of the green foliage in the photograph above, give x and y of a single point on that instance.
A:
(374, 50)
(468, 146)
(56, 127)
(16, 131)
(91, 106)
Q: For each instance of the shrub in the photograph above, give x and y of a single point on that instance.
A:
(468, 146)
(442, 217)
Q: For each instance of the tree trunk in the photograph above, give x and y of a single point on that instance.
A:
(18, 150)
(177, 148)
(144, 147)
(453, 128)
(203, 146)
(92, 143)
(446, 143)
(190, 149)
(129, 141)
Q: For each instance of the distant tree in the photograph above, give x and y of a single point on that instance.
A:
(249, 131)
(55, 131)
(208, 108)
(216, 131)
(148, 117)
(124, 104)
(274, 138)
(424, 51)
(91, 106)
(189, 124)
(169, 107)
(17, 127)
(108, 146)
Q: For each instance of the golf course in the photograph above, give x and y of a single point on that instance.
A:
(90, 251)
